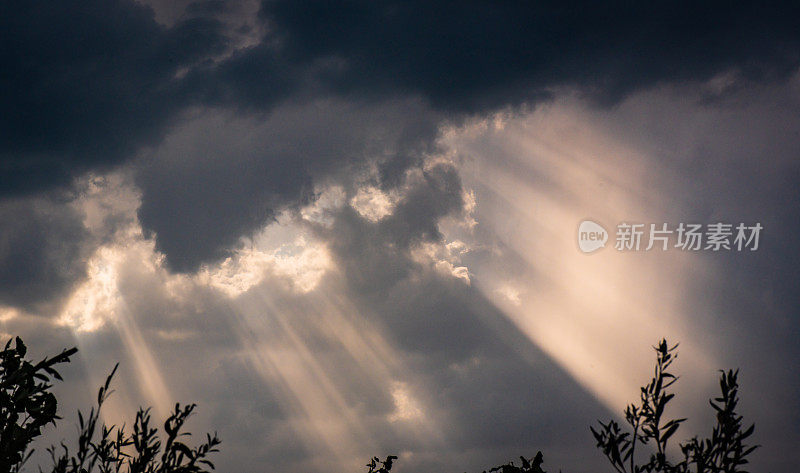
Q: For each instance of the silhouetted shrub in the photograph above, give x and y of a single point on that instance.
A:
(724, 452)
(377, 466)
(26, 404)
(532, 465)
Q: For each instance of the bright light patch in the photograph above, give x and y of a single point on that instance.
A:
(96, 300)
(8, 313)
(448, 269)
(405, 406)
(372, 203)
(510, 294)
(445, 258)
(301, 264)
(468, 196)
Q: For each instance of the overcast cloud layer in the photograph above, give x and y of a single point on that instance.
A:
(346, 228)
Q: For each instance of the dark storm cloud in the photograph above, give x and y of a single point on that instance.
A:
(84, 84)
(474, 55)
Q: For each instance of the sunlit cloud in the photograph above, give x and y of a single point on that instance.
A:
(96, 300)
(445, 258)
(372, 203)
(406, 408)
(300, 263)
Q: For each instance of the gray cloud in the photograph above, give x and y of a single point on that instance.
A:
(220, 177)
(88, 93)
(42, 248)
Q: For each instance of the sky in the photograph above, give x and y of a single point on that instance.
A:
(348, 229)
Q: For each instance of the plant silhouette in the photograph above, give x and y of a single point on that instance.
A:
(532, 465)
(724, 452)
(375, 465)
(27, 404)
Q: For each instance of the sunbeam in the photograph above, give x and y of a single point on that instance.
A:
(310, 352)
(536, 177)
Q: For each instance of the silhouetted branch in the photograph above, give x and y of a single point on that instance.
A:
(724, 452)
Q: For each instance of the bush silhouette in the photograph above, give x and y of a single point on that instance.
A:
(26, 405)
(724, 452)
(532, 465)
(377, 466)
